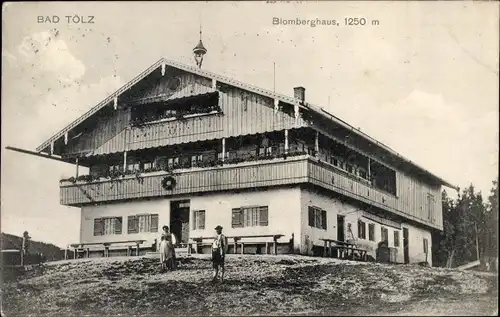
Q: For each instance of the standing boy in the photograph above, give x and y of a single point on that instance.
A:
(219, 249)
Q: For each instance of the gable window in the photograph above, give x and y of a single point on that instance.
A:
(250, 217)
(396, 238)
(149, 165)
(133, 167)
(198, 219)
(362, 173)
(361, 229)
(317, 217)
(172, 162)
(426, 246)
(143, 223)
(371, 232)
(384, 234)
(107, 226)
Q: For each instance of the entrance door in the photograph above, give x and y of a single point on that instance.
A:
(406, 243)
(179, 220)
(340, 228)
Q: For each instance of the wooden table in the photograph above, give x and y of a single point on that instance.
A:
(106, 245)
(342, 246)
(239, 238)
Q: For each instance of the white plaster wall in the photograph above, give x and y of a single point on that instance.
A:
(283, 212)
(89, 213)
(311, 236)
(416, 244)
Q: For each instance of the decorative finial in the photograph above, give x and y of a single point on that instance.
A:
(199, 51)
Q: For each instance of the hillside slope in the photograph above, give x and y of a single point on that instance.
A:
(50, 251)
(278, 285)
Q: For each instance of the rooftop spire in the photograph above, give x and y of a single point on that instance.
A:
(199, 51)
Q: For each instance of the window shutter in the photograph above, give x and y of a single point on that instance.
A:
(132, 224)
(195, 216)
(154, 223)
(323, 219)
(263, 216)
(98, 227)
(237, 218)
(201, 221)
(118, 225)
(311, 216)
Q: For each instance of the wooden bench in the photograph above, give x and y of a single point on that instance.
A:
(237, 239)
(85, 247)
(344, 248)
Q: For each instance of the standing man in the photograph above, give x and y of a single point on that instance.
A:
(219, 249)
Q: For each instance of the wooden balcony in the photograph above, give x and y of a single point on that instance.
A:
(241, 175)
(272, 172)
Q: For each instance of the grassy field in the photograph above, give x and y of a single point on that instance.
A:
(254, 285)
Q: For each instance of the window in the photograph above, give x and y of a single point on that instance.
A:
(195, 159)
(133, 167)
(384, 233)
(317, 218)
(361, 229)
(250, 217)
(172, 162)
(149, 165)
(350, 168)
(396, 238)
(198, 219)
(426, 246)
(143, 223)
(371, 232)
(107, 226)
(362, 173)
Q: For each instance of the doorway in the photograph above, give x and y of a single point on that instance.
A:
(406, 244)
(179, 220)
(340, 227)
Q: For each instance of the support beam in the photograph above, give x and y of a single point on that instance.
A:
(316, 144)
(76, 163)
(286, 141)
(214, 83)
(223, 148)
(369, 171)
(66, 138)
(51, 148)
(36, 154)
(115, 102)
(124, 161)
(163, 69)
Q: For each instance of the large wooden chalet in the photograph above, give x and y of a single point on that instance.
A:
(184, 147)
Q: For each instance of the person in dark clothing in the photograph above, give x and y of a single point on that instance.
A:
(219, 249)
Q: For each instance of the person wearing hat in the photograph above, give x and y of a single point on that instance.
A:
(219, 249)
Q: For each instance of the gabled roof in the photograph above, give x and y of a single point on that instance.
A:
(229, 81)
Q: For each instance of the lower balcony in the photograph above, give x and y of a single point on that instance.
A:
(229, 176)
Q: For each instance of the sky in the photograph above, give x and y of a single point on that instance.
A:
(424, 81)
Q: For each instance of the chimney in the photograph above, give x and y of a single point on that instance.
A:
(299, 93)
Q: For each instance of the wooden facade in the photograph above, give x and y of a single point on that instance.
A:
(109, 133)
(411, 203)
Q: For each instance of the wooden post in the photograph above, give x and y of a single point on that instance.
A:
(88, 253)
(124, 161)
(66, 253)
(316, 144)
(235, 246)
(66, 138)
(242, 247)
(223, 148)
(369, 171)
(324, 249)
(267, 247)
(51, 148)
(76, 163)
(137, 243)
(275, 245)
(74, 253)
(286, 141)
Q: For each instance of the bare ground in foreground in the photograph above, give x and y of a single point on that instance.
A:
(254, 285)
